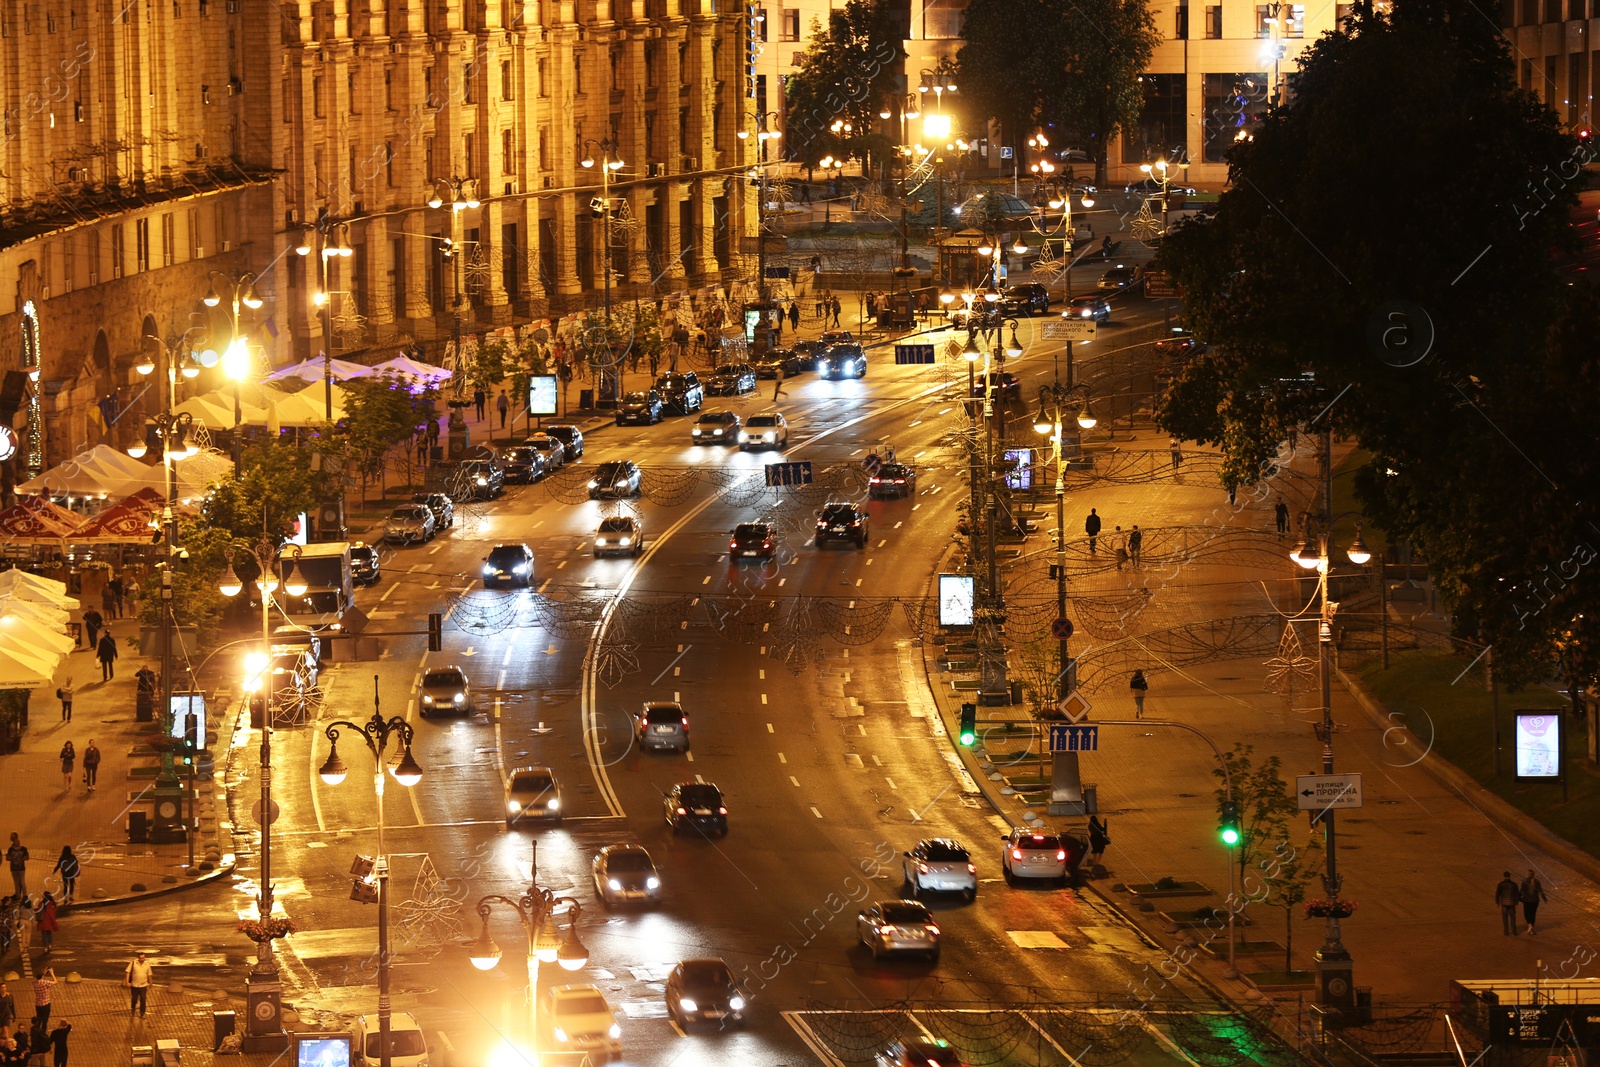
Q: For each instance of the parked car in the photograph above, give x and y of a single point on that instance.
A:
(365, 566)
(522, 464)
(570, 436)
(774, 364)
(898, 926)
(1027, 299)
(715, 428)
(508, 565)
(445, 690)
(830, 338)
(940, 865)
(443, 508)
(640, 407)
(893, 479)
(802, 357)
(841, 521)
(1118, 278)
(919, 1052)
(619, 535)
(409, 524)
(696, 806)
(551, 448)
(625, 874)
(407, 1045)
(753, 540)
(736, 379)
(698, 990)
(663, 724)
(769, 429)
(580, 1025)
(615, 478)
(1092, 306)
(1029, 853)
(681, 392)
(478, 479)
(532, 793)
(843, 360)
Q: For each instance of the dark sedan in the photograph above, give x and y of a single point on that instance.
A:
(615, 478)
(696, 806)
(698, 990)
(736, 379)
(523, 464)
(893, 479)
(1029, 299)
(640, 407)
(753, 540)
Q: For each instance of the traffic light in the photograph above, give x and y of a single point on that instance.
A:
(1229, 826)
(186, 751)
(435, 632)
(969, 725)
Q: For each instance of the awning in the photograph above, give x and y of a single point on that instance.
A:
(35, 520)
(309, 407)
(21, 585)
(133, 521)
(18, 670)
(312, 370)
(102, 471)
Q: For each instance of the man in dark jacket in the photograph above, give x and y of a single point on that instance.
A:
(92, 621)
(106, 653)
(1091, 526)
(1508, 897)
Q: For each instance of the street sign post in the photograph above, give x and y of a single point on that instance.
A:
(789, 473)
(904, 354)
(1070, 330)
(1081, 738)
(872, 463)
(1158, 285)
(1319, 792)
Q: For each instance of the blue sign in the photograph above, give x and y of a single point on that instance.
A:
(1065, 738)
(872, 463)
(904, 354)
(789, 473)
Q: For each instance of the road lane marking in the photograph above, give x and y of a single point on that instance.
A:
(706, 580)
(434, 549)
(882, 543)
(770, 730)
(795, 780)
(389, 592)
(681, 650)
(688, 755)
(814, 811)
(919, 455)
(869, 563)
(506, 662)
(782, 580)
(763, 698)
(858, 583)
(545, 585)
(782, 758)
(761, 673)
(563, 563)
(890, 781)
(675, 696)
(898, 525)
(876, 761)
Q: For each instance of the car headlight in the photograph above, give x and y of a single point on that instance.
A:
(593, 484)
(767, 436)
(461, 698)
(614, 885)
(599, 542)
(736, 1002)
(559, 1034)
(625, 541)
(482, 480)
(488, 571)
(554, 804)
(743, 437)
(687, 1004)
(521, 568)
(652, 882)
(615, 1032)
(513, 806)
(694, 433)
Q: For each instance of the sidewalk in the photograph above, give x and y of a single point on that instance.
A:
(1421, 857)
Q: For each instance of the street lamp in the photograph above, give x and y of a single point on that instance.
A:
(459, 194)
(609, 163)
(263, 977)
(241, 291)
(1161, 171)
(376, 734)
(536, 909)
(330, 240)
(832, 168)
(990, 325)
(759, 173)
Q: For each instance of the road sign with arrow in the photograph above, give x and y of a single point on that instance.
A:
(1319, 792)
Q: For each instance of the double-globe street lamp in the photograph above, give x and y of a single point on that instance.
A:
(240, 291)
(1161, 172)
(457, 194)
(1058, 195)
(536, 910)
(329, 239)
(759, 174)
(376, 733)
(609, 163)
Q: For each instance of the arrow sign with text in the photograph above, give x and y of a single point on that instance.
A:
(1319, 792)
(904, 354)
(1065, 738)
(789, 473)
(1070, 330)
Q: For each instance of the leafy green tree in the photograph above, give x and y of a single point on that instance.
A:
(1075, 65)
(849, 74)
(1265, 805)
(196, 599)
(1348, 280)
(385, 412)
(490, 364)
(275, 484)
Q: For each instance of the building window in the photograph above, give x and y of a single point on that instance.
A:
(1530, 12)
(1296, 25)
(205, 94)
(1266, 18)
(544, 81)
(388, 163)
(316, 96)
(470, 74)
(1160, 132)
(506, 87)
(141, 245)
(469, 151)
(1180, 30)
(169, 240)
(288, 97)
(397, 276)
(1214, 21)
(544, 149)
(427, 158)
(118, 251)
(388, 89)
(192, 223)
(791, 24)
(615, 64)
(577, 74)
(683, 128)
(1577, 9)
(1341, 12)
(427, 87)
(716, 125)
(650, 64)
(650, 134)
(350, 91)
(1552, 10)
(508, 161)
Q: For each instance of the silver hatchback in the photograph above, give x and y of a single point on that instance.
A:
(1034, 854)
(898, 926)
(662, 724)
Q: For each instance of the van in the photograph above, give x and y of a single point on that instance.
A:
(407, 1046)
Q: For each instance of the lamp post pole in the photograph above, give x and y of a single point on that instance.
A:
(331, 243)
(608, 163)
(241, 291)
(376, 733)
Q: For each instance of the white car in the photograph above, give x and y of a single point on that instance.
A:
(766, 430)
(940, 865)
(578, 1022)
(1032, 853)
(625, 874)
(407, 1046)
(896, 926)
(409, 524)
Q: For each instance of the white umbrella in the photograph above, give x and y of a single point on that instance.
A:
(312, 370)
(18, 670)
(35, 612)
(24, 586)
(25, 632)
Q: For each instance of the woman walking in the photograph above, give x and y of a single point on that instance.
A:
(47, 920)
(1139, 686)
(1532, 892)
(69, 760)
(67, 866)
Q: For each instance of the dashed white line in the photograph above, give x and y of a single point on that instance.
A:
(795, 780)
(389, 592)
(914, 507)
(545, 585)
(882, 543)
(815, 812)
(506, 662)
(876, 761)
(688, 755)
(781, 581)
(761, 673)
(563, 563)
(935, 489)
(675, 696)
(891, 780)
(770, 730)
(676, 671)
(435, 549)
(924, 452)
(706, 580)
(900, 524)
(782, 758)
(763, 698)
(858, 583)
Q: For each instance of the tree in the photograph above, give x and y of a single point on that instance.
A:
(1343, 283)
(1264, 805)
(1287, 875)
(849, 74)
(275, 484)
(1074, 65)
(385, 410)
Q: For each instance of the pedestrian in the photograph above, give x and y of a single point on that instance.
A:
(130, 593)
(422, 448)
(502, 405)
(91, 764)
(433, 434)
(108, 601)
(43, 987)
(1135, 543)
(1233, 494)
(872, 305)
(115, 585)
(64, 694)
(1120, 539)
(58, 1042)
(479, 401)
(1099, 838)
(837, 307)
(92, 621)
(1138, 686)
(17, 860)
(106, 653)
(777, 330)
(68, 868)
(137, 979)
(8, 1009)
(15, 1047)
(1532, 893)
(794, 314)
(146, 679)
(22, 925)
(805, 193)
(1508, 897)
(1280, 512)
(47, 920)
(1091, 526)
(1177, 451)
(69, 757)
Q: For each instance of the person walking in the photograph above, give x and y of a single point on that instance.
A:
(794, 314)
(1091, 526)
(43, 989)
(480, 401)
(1135, 543)
(17, 860)
(115, 585)
(1099, 838)
(108, 601)
(8, 1009)
(1138, 685)
(64, 694)
(502, 405)
(1176, 447)
(1532, 893)
(46, 916)
(1120, 542)
(91, 764)
(1508, 897)
(777, 329)
(22, 925)
(1280, 512)
(837, 307)
(68, 868)
(106, 653)
(130, 593)
(137, 979)
(69, 759)
(805, 193)
(58, 1043)
(92, 621)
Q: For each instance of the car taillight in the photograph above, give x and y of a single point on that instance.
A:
(766, 544)
(682, 811)
(686, 722)
(722, 811)
(876, 481)
(1061, 854)
(933, 928)
(1016, 853)
(733, 544)
(922, 867)
(972, 868)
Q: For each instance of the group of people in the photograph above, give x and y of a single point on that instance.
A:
(828, 308)
(1128, 547)
(1508, 894)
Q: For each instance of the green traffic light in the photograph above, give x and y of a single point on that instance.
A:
(967, 738)
(1230, 835)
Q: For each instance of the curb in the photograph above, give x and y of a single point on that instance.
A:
(226, 867)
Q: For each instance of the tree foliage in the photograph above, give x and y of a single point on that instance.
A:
(848, 74)
(275, 484)
(1265, 806)
(1348, 276)
(1072, 65)
(385, 410)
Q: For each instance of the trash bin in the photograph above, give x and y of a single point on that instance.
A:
(1016, 692)
(222, 1024)
(138, 827)
(168, 1052)
(586, 399)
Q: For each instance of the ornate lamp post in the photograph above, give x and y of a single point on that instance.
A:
(376, 733)
(1161, 171)
(609, 164)
(759, 174)
(458, 194)
(241, 292)
(536, 909)
(329, 239)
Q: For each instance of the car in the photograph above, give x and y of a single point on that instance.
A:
(410, 523)
(774, 364)
(919, 1052)
(696, 806)
(1118, 278)
(407, 1045)
(893, 479)
(618, 535)
(701, 990)
(830, 338)
(898, 926)
(580, 1025)
(941, 865)
(842, 361)
(532, 793)
(625, 874)
(365, 566)
(716, 428)
(443, 508)
(1006, 386)
(445, 690)
(570, 437)
(1092, 306)
(615, 478)
(753, 540)
(735, 379)
(1031, 853)
(841, 521)
(478, 479)
(802, 357)
(551, 448)
(662, 724)
(765, 430)
(508, 565)
(1180, 346)
(522, 464)
(1028, 299)
(681, 392)
(640, 407)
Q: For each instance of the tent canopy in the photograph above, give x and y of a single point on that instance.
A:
(21, 585)
(126, 523)
(216, 409)
(309, 407)
(36, 520)
(312, 370)
(101, 471)
(18, 670)
(406, 367)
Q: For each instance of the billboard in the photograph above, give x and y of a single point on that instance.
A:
(955, 599)
(322, 1050)
(542, 395)
(1538, 744)
(189, 717)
